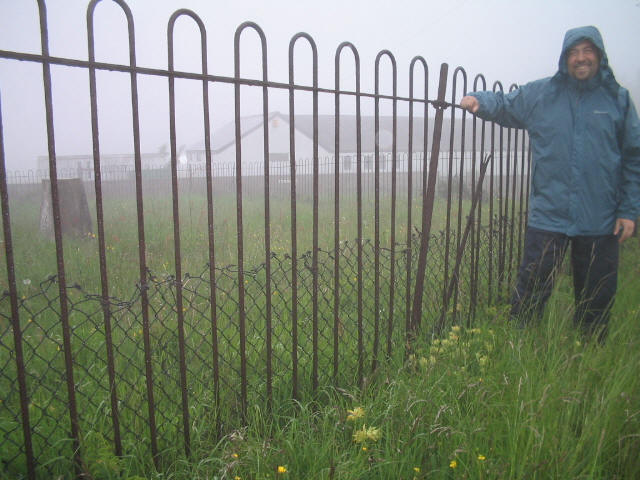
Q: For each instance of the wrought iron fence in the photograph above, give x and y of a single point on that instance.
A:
(181, 350)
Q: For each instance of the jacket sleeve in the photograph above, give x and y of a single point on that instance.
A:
(629, 206)
(508, 110)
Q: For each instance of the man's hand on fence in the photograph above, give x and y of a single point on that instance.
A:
(470, 104)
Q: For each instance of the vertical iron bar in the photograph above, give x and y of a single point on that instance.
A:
(450, 173)
(376, 207)
(409, 333)
(520, 207)
(104, 278)
(294, 237)
(315, 173)
(513, 195)
(176, 228)
(57, 229)
(141, 236)
(15, 315)
(359, 222)
(211, 237)
(476, 243)
(460, 171)
(506, 208)
(428, 197)
(239, 220)
(501, 215)
(267, 233)
(491, 219)
(314, 254)
(336, 216)
(394, 153)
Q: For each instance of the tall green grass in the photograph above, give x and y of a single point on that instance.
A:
(489, 402)
(45, 360)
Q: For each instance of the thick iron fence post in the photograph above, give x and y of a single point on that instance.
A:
(428, 198)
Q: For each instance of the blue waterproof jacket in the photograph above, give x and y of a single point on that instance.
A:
(585, 142)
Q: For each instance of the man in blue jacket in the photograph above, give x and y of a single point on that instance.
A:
(585, 179)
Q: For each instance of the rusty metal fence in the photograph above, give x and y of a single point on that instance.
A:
(183, 356)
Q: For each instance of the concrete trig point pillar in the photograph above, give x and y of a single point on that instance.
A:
(74, 209)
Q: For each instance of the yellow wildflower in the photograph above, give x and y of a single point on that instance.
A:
(455, 328)
(364, 434)
(237, 477)
(416, 469)
(234, 455)
(354, 414)
(453, 464)
(482, 458)
(282, 469)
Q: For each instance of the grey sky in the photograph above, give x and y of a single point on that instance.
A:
(512, 41)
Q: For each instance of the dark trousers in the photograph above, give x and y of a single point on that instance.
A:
(594, 261)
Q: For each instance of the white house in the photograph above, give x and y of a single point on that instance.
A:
(223, 142)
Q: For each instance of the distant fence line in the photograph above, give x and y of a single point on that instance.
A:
(195, 350)
(120, 180)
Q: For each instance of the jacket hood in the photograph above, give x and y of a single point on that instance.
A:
(605, 74)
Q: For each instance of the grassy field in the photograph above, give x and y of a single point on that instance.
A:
(35, 258)
(488, 402)
(244, 452)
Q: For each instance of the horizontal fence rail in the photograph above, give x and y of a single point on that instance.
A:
(204, 286)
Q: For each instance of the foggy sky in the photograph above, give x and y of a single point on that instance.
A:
(513, 41)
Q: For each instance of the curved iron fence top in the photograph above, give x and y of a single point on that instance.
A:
(314, 51)
(184, 12)
(236, 47)
(425, 66)
(479, 78)
(130, 28)
(389, 55)
(454, 90)
(356, 57)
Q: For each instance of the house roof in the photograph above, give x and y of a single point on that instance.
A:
(224, 137)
